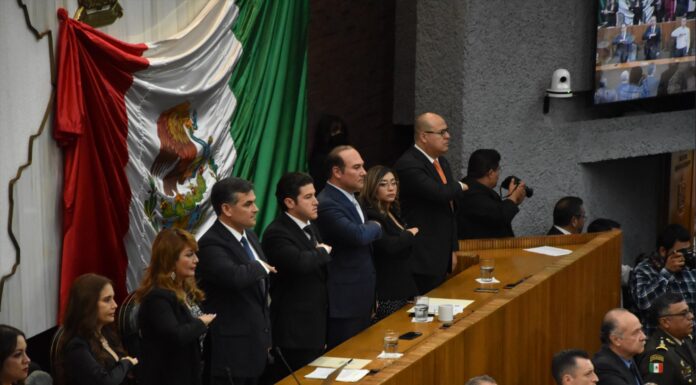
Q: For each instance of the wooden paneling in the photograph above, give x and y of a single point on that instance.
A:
(510, 335)
(681, 190)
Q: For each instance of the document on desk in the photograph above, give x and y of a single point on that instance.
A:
(335, 362)
(549, 250)
(346, 375)
(458, 305)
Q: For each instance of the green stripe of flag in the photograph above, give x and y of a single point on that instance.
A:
(269, 82)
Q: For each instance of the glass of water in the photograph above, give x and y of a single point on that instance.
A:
(391, 341)
(487, 266)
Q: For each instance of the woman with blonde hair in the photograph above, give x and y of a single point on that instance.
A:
(395, 283)
(171, 323)
(91, 352)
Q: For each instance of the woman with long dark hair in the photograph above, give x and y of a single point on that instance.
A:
(91, 351)
(395, 284)
(171, 323)
(13, 356)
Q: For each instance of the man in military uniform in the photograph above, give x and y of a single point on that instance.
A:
(670, 353)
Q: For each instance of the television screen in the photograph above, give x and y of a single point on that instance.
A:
(645, 48)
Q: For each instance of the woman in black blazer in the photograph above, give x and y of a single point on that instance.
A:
(90, 350)
(171, 323)
(395, 284)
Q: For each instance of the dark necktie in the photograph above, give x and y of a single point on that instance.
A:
(308, 230)
(635, 373)
(250, 254)
(247, 248)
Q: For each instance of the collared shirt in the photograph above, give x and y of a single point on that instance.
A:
(629, 364)
(562, 230)
(238, 237)
(432, 160)
(351, 198)
(683, 35)
(648, 282)
(300, 224)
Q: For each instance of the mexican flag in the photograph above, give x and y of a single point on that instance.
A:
(655, 367)
(147, 129)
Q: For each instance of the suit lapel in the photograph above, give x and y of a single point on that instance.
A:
(238, 251)
(296, 231)
(427, 163)
(339, 197)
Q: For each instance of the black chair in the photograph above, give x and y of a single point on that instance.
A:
(128, 325)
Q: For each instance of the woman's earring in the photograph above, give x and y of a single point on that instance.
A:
(172, 275)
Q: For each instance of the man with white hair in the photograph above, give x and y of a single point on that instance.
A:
(622, 339)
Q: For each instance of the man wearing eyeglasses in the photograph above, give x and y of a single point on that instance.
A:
(664, 271)
(428, 195)
(670, 354)
(568, 217)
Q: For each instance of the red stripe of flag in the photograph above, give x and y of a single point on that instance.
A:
(94, 72)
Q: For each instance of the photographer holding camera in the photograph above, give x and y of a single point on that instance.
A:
(669, 269)
(483, 213)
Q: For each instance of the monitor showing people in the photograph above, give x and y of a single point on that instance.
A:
(644, 49)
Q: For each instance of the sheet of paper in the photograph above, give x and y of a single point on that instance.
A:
(389, 356)
(346, 375)
(480, 280)
(335, 362)
(458, 305)
(549, 250)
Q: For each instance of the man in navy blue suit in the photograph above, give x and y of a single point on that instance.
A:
(341, 221)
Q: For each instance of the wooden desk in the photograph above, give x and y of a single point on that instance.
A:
(510, 335)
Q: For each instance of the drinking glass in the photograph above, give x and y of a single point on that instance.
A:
(487, 267)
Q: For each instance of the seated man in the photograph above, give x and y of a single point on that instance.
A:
(568, 217)
(669, 353)
(573, 367)
(482, 213)
(662, 271)
(622, 339)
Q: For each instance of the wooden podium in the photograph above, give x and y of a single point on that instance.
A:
(510, 335)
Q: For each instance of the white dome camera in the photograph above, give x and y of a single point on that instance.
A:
(560, 84)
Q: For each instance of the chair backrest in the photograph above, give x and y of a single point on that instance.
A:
(54, 354)
(128, 325)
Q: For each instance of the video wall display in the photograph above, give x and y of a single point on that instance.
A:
(645, 49)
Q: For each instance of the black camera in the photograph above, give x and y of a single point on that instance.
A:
(689, 257)
(506, 183)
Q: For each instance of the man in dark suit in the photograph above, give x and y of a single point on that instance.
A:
(568, 217)
(573, 367)
(351, 279)
(428, 193)
(622, 339)
(299, 299)
(233, 273)
(670, 354)
(651, 40)
(482, 213)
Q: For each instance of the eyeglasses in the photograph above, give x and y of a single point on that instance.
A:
(684, 314)
(441, 132)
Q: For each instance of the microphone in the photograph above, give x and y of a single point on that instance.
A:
(287, 366)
